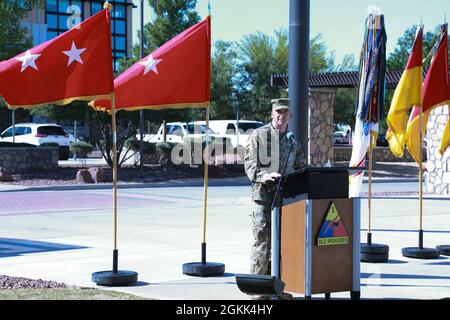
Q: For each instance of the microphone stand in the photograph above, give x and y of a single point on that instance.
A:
(281, 180)
(275, 234)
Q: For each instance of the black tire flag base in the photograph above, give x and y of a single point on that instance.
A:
(207, 269)
(374, 252)
(420, 253)
(204, 269)
(444, 250)
(111, 278)
(115, 277)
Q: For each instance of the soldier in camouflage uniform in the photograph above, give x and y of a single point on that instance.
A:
(265, 156)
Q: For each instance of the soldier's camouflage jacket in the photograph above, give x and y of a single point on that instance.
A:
(266, 152)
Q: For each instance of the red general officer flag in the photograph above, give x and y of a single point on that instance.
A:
(176, 75)
(76, 65)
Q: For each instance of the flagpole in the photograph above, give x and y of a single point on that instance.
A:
(420, 182)
(115, 277)
(203, 268)
(141, 111)
(13, 118)
(114, 158)
(373, 252)
(205, 187)
(422, 252)
(369, 233)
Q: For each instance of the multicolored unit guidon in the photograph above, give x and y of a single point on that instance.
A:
(370, 96)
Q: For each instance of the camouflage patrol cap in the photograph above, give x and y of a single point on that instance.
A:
(283, 103)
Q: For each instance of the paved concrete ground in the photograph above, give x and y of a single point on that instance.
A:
(66, 235)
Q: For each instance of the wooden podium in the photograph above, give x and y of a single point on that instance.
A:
(319, 233)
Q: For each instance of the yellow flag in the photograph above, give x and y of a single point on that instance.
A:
(445, 139)
(407, 94)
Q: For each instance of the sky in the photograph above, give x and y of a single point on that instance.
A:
(340, 22)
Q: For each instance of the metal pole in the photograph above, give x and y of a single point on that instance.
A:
(141, 112)
(299, 69)
(420, 182)
(205, 187)
(14, 125)
(237, 124)
(114, 158)
(369, 233)
(75, 137)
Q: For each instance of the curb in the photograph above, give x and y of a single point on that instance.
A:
(166, 184)
(170, 184)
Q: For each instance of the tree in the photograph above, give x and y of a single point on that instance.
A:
(399, 57)
(171, 18)
(223, 73)
(320, 60)
(13, 37)
(13, 40)
(345, 98)
(261, 56)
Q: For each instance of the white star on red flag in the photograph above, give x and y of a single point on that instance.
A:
(150, 64)
(28, 60)
(74, 54)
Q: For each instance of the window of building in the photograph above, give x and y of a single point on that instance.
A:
(62, 15)
(118, 28)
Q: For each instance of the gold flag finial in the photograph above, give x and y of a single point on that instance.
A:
(107, 5)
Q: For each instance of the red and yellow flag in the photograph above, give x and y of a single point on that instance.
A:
(407, 94)
(434, 93)
(176, 75)
(76, 65)
(445, 142)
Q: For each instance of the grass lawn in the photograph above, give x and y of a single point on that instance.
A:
(65, 294)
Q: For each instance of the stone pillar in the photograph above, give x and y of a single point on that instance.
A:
(321, 112)
(438, 167)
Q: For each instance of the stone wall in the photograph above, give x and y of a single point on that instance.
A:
(380, 154)
(438, 166)
(321, 101)
(19, 160)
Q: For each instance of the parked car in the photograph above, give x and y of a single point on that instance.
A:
(229, 129)
(381, 140)
(177, 132)
(39, 134)
(341, 137)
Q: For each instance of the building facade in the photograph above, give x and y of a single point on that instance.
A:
(50, 18)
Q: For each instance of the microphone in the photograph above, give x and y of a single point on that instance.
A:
(291, 138)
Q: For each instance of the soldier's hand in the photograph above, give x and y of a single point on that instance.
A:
(271, 178)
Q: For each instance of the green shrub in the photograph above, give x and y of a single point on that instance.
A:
(165, 146)
(134, 144)
(5, 144)
(81, 148)
(149, 147)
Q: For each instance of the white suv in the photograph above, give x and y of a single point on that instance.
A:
(176, 132)
(38, 134)
(227, 128)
